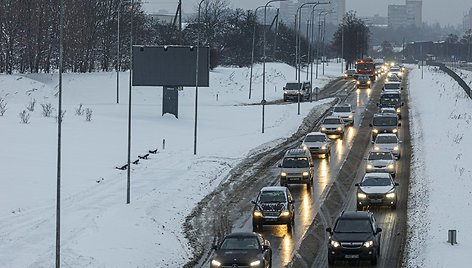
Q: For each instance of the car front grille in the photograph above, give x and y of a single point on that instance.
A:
(351, 245)
(271, 213)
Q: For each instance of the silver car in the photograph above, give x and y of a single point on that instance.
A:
(376, 189)
(388, 142)
(317, 143)
(333, 125)
(381, 161)
(345, 112)
(297, 167)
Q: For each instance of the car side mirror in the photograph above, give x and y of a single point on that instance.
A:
(379, 230)
(397, 184)
(312, 165)
(301, 140)
(399, 124)
(279, 165)
(215, 247)
(370, 125)
(403, 103)
(357, 184)
(378, 104)
(254, 202)
(265, 247)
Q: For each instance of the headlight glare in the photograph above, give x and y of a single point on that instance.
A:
(350, 116)
(391, 166)
(255, 263)
(216, 263)
(361, 195)
(339, 128)
(323, 147)
(390, 195)
(257, 214)
(285, 213)
(323, 128)
(369, 166)
(305, 174)
(395, 148)
(394, 130)
(283, 174)
(376, 148)
(335, 244)
(398, 110)
(368, 244)
(375, 130)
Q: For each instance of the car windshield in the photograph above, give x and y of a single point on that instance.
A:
(375, 181)
(272, 197)
(240, 243)
(386, 139)
(380, 156)
(365, 66)
(293, 86)
(342, 109)
(387, 111)
(353, 226)
(362, 78)
(295, 162)
(315, 138)
(392, 86)
(332, 121)
(385, 121)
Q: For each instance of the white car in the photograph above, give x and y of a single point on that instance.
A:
(392, 86)
(317, 143)
(381, 161)
(376, 189)
(345, 112)
(333, 125)
(387, 142)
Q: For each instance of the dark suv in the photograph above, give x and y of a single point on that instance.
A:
(384, 123)
(274, 205)
(355, 236)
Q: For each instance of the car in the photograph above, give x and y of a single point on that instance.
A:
(384, 123)
(392, 86)
(242, 250)
(388, 110)
(349, 74)
(376, 189)
(355, 236)
(388, 141)
(333, 125)
(391, 77)
(297, 167)
(396, 70)
(363, 81)
(381, 161)
(345, 112)
(273, 206)
(317, 143)
(293, 89)
(391, 99)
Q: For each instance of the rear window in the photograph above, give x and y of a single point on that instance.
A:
(385, 121)
(331, 121)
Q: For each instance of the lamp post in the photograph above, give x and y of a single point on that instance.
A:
(319, 39)
(118, 60)
(128, 170)
(252, 50)
(196, 79)
(298, 51)
(264, 60)
(323, 38)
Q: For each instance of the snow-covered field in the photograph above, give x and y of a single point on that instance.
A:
(98, 228)
(441, 183)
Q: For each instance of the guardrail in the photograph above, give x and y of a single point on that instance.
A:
(455, 76)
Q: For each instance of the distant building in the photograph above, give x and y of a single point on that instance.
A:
(409, 14)
(289, 8)
(375, 21)
(467, 21)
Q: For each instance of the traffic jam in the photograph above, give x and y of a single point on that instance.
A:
(356, 234)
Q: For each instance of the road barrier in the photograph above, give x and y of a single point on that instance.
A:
(455, 76)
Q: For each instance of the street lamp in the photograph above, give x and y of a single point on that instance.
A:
(319, 39)
(128, 170)
(263, 102)
(118, 60)
(196, 79)
(252, 50)
(323, 37)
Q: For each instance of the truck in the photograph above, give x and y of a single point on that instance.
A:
(366, 67)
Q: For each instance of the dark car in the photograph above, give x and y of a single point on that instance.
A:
(391, 99)
(363, 81)
(273, 205)
(242, 250)
(355, 236)
(377, 189)
(384, 123)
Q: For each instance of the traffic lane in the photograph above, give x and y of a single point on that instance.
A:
(307, 201)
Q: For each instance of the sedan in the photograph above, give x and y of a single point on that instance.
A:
(376, 189)
(387, 142)
(317, 143)
(242, 250)
(381, 161)
(333, 125)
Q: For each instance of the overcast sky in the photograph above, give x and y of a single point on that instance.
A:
(443, 11)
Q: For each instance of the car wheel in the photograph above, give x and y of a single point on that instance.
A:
(254, 227)
(359, 207)
(394, 206)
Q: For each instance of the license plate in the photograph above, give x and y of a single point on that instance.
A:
(376, 201)
(352, 256)
(294, 179)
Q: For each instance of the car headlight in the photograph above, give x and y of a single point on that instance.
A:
(255, 263)
(323, 128)
(339, 128)
(368, 244)
(304, 147)
(375, 130)
(323, 147)
(257, 213)
(358, 82)
(361, 195)
(394, 130)
(216, 263)
(285, 92)
(376, 148)
(398, 110)
(285, 213)
(305, 174)
(389, 73)
(335, 244)
(350, 116)
(283, 174)
(395, 148)
(391, 166)
(368, 82)
(369, 166)
(390, 195)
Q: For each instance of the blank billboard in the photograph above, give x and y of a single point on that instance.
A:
(170, 66)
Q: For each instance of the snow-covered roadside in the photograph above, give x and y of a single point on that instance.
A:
(98, 229)
(441, 183)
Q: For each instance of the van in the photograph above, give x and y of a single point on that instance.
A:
(292, 89)
(384, 123)
(296, 167)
